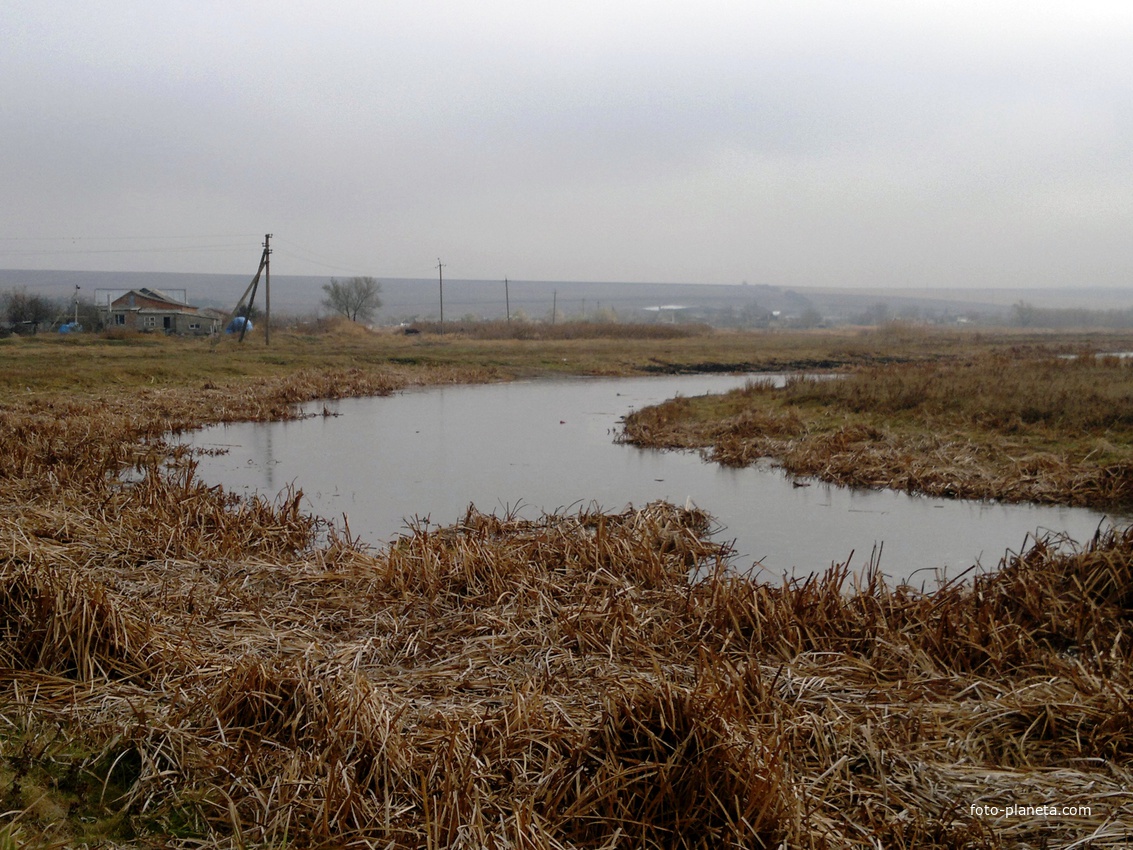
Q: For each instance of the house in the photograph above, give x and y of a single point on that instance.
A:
(153, 310)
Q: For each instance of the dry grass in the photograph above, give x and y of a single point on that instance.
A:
(179, 667)
(81, 364)
(1014, 427)
(561, 683)
(564, 330)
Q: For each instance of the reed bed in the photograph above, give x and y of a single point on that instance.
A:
(1019, 427)
(179, 667)
(563, 683)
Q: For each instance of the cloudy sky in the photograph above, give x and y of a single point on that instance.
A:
(880, 143)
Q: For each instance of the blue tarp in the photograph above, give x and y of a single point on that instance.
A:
(237, 324)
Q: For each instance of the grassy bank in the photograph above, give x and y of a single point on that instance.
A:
(82, 363)
(182, 667)
(1018, 426)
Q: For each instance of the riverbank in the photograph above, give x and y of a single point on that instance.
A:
(180, 667)
(1027, 426)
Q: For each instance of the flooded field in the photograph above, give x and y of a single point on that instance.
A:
(542, 446)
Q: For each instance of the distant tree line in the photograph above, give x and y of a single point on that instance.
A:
(1027, 315)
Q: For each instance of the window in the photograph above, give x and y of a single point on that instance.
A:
(119, 318)
(151, 321)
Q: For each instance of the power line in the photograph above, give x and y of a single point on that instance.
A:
(47, 246)
(310, 251)
(186, 249)
(303, 259)
(73, 238)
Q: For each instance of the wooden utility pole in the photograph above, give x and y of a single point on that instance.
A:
(267, 289)
(250, 294)
(554, 305)
(441, 278)
(507, 302)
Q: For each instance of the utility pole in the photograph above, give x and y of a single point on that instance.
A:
(249, 293)
(267, 289)
(441, 278)
(507, 302)
(554, 305)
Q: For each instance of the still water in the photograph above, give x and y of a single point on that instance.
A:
(542, 446)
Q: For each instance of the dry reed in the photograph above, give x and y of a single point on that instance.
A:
(1011, 428)
(224, 675)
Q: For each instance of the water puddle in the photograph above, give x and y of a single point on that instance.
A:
(542, 446)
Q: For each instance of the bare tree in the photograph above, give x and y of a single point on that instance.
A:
(356, 299)
(20, 307)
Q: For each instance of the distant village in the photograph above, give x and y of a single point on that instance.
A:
(144, 310)
(202, 305)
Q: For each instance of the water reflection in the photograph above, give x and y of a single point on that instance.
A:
(548, 445)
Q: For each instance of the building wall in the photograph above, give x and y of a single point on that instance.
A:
(163, 321)
(194, 324)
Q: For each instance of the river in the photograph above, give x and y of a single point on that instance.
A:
(548, 445)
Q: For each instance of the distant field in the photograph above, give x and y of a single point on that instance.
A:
(89, 361)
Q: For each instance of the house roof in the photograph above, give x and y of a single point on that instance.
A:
(152, 295)
(159, 311)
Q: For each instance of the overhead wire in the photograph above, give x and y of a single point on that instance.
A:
(73, 238)
(40, 246)
(167, 250)
(308, 255)
(286, 253)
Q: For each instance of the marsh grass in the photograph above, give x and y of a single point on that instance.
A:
(180, 667)
(82, 364)
(1013, 427)
(562, 683)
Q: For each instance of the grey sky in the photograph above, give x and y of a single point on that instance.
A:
(868, 143)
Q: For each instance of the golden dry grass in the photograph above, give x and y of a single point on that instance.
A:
(1022, 426)
(84, 363)
(561, 683)
(180, 667)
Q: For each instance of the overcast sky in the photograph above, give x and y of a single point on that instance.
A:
(968, 143)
